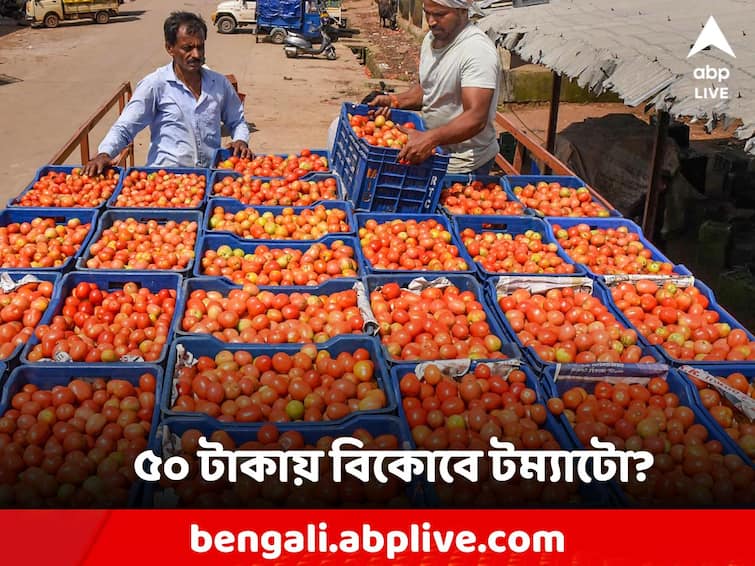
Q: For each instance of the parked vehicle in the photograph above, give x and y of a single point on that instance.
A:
(51, 12)
(278, 18)
(296, 44)
(233, 14)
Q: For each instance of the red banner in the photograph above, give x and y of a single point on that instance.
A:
(377, 537)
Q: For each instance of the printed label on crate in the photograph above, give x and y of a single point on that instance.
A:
(184, 359)
(610, 372)
(419, 284)
(680, 281)
(505, 285)
(131, 359)
(7, 284)
(741, 401)
(459, 368)
(370, 325)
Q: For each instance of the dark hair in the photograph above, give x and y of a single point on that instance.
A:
(193, 23)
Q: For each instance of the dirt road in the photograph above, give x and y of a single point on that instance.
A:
(52, 80)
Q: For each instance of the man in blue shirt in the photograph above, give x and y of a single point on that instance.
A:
(183, 103)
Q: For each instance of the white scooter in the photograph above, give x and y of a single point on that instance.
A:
(296, 44)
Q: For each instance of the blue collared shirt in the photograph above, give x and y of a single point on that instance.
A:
(184, 130)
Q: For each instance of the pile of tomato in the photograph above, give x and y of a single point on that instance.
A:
(310, 224)
(477, 198)
(553, 199)
(379, 131)
(678, 319)
(41, 242)
(97, 325)
(688, 467)
(70, 190)
(309, 385)
(276, 192)
(291, 166)
(435, 323)
(74, 445)
(160, 189)
(131, 244)
(273, 266)
(21, 311)
(251, 315)
(567, 325)
(423, 245)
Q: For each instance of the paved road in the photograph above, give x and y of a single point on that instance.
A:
(64, 74)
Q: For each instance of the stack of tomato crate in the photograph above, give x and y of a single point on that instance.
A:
(284, 301)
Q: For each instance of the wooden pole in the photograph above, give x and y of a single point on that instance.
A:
(550, 140)
(653, 197)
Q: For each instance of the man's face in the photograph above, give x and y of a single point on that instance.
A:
(444, 22)
(188, 52)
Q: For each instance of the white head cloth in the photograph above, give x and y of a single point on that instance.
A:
(459, 4)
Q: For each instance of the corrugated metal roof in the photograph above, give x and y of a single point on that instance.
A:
(638, 49)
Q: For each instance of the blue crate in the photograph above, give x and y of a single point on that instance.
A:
(223, 286)
(3, 370)
(382, 218)
(16, 275)
(511, 225)
(220, 174)
(590, 494)
(47, 376)
(605, 224)
(598, 291)
(232, 205)
(109, 280)
(43, 171)
(61, 216)
(722, 370)
(372, 176)
(724, 316)
(374, 424)
(222, 154)
(162, 216)
(177, 170)
(209, 346)
(214, 241)
(449, 180)
(463, 283)
(511, 181)
(682, 388)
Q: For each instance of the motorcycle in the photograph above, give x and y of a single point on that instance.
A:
(296, 44)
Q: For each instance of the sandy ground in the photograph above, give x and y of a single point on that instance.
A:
(62, 75)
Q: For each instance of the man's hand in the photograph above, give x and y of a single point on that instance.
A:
(419, 147)
(383, 102)
(97, 165)
(241, 149)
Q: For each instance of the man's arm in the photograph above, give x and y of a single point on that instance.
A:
(476, 104)
(233, 117)
(137, 115)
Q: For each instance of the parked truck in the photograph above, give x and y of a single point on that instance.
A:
(50, 13)
(233, 14)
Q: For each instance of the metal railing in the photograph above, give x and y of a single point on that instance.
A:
(528, 150)
(81, 138)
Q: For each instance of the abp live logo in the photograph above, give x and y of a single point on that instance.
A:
(712, 36)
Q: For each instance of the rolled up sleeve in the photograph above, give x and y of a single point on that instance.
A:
(137, 115)
(233, 114)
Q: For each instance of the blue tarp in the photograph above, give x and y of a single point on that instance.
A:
(280, 13)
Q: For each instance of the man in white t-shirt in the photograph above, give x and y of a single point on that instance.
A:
(459, 72)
